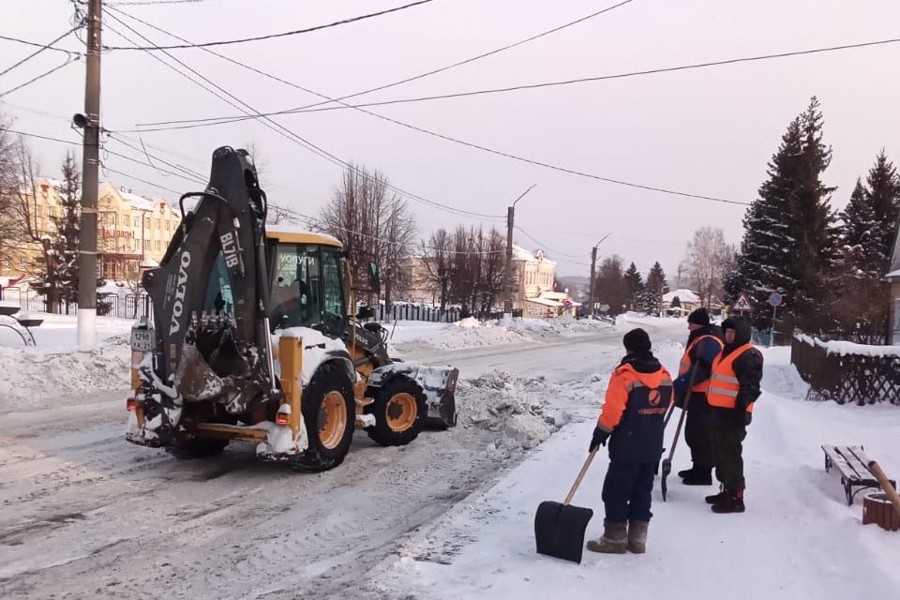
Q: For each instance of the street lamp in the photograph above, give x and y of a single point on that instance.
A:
(593, 267)
(510, 222)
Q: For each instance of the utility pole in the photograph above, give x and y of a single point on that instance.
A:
(90, 122)
(593, 270)
(510, 223)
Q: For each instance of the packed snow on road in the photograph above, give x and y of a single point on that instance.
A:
(83, 514)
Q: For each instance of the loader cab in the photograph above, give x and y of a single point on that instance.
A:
(307, 287)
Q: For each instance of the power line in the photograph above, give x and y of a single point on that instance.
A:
(34, 44)
(209, 121)
(274, 35)
(152, 2)
(462, 62)
(287, 133)
(71, 59)
(459, 141)
(38, 51)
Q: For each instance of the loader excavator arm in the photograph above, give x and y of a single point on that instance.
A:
(224, 235)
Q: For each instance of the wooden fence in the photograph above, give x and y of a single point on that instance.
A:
(846, 372)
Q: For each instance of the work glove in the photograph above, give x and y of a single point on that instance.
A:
(747, 418)
(679, 400)
(599, 438)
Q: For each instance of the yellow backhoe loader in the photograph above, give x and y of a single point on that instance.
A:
(252, 338)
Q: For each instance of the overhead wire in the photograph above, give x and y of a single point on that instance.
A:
(211, 121)
(458, 63)
(156, 48)
(72, 58)
(39, 50)
(289, 134)
(457, 140)
(34, 44)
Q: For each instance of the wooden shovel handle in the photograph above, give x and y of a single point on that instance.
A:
(885, 484)
(581, 473)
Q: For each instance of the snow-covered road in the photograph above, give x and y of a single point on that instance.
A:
(84, 514)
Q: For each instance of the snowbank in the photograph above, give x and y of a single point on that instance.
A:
(31, 377)
(562, 326)
(849, 348)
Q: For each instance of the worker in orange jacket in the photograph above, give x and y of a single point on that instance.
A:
(733, 389)
(637, 397)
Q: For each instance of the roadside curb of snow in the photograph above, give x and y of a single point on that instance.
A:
(32, 378)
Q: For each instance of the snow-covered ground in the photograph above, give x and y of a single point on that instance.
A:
(84, 514)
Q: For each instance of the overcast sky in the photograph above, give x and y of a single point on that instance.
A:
(707, 132)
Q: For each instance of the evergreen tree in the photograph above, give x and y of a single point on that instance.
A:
(654, 289)
(609, 286)
(634, 286)
(867, 235)
(789, 232)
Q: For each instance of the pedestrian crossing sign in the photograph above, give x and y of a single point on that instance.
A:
(742, 304)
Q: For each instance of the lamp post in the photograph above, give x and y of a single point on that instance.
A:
(510, 223)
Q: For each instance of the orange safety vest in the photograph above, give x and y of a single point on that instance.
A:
(724, 386)
(685, 365)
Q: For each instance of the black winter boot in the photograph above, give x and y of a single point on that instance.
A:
(698, 476)
(733, 502)
(716, 497)
(685, 472)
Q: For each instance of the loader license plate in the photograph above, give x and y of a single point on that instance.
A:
(142, 340)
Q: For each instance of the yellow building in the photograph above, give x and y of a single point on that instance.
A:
(131, 230)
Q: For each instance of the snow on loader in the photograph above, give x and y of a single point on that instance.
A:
(230, 302)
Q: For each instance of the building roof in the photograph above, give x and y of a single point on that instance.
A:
(295, 235)
(684, 295)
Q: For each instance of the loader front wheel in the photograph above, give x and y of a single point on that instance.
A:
(400, 409)
(328, 410)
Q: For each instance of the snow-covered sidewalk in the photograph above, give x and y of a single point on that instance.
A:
(798, 538)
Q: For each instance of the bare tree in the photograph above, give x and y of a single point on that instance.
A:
(437, 260)
(9, 185)
(708, 256)
(373, 226)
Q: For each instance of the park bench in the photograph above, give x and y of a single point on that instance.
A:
(851, 462)
(21, 326)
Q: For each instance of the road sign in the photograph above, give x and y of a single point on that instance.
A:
(742, 304)
(775, 299)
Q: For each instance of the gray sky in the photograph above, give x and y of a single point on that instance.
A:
(708, 132)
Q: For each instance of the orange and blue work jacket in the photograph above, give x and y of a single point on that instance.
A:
(724, 385)
(634, 411)
(701, 379)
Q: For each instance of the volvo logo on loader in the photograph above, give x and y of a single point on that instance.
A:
(178, 307)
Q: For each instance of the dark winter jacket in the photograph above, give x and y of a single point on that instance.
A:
(748, 368)
(637, 398)
(701, 357)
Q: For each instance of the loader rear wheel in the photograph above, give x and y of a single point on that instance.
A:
(400, 409)
(328, 409)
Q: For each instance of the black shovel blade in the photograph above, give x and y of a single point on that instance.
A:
(559, 529)
(666, 469)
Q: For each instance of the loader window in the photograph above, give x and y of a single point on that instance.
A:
(296, 290)
(333, 292)
(218, 297)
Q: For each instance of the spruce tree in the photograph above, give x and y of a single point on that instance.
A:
(789, 231)
(634, 286)
(867, 237)
(654, 289)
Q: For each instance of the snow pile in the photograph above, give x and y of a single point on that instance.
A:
(471, 333)
(562, 326)
(525, 412)
(34, 377)
(780, 377)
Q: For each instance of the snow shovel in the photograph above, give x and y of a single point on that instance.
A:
(667, 462)
(559, 528)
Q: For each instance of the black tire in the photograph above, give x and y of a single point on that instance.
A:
(400, 410)
(196, 448)
(329, 413)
